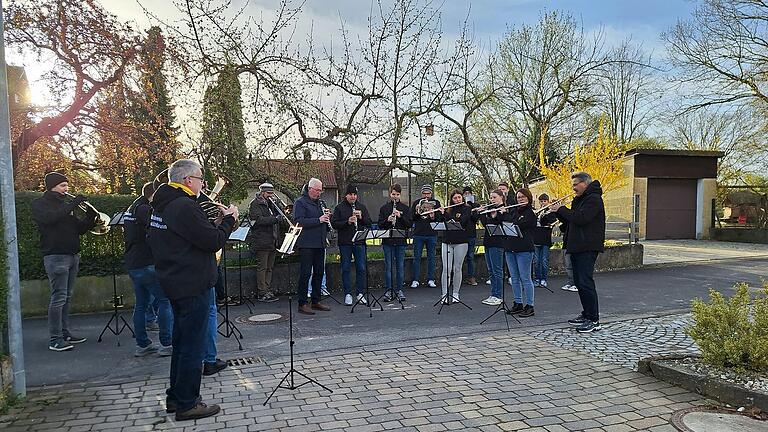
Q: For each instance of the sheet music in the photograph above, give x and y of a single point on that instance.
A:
(240, 233)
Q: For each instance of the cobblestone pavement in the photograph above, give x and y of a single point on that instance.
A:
(497, 382)
(626, 342)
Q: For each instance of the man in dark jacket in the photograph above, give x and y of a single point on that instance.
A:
(264, 239)
(585, 238)
(424, 235)
(315, 223)
(60, 233)
(141, 270)
(184, 243)
(394, 215)
(349, 217)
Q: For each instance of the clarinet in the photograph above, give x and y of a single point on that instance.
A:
(326, 210)
(353, 214)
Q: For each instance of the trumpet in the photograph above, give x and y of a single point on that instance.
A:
(438, 209)
(102, 220)
(501, 208)
(545, 209)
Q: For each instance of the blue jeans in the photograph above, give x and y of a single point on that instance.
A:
(470, 258)
(190, 329)
(213, 327)
(519, 264)
(146, 284)
(494, 257)
(419, 243)
(398, 253)
(541, 262)
(347, 251)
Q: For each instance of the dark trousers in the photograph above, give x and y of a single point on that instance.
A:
(311, 261)
(470, 258)
(190, 330)
(221, 290)
(265, 262)
(583, 276)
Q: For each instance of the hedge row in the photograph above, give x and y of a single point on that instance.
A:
(98, 254)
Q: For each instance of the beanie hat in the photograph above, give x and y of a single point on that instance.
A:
(266, 187)
(467, 189)
(351, 189)
(53, 179)
(426, 188)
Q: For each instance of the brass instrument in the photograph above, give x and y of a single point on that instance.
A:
(102, 220)
(211, 207)
(289, 241)
(501, 208)
(545, 209)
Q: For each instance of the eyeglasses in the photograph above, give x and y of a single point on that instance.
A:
(316, 189)
(196, 177)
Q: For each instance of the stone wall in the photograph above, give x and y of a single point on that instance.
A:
(741, 235)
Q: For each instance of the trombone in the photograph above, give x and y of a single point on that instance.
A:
(102, 220)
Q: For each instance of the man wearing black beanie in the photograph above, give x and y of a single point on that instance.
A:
(60, 232)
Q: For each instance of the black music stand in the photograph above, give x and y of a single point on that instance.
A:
(240, 235)
(117, 300)
(447, 299)
(392, 233)
(230, 329)
(506, 229)
(361, 235)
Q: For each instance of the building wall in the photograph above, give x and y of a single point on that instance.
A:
(706, 191)
(640, 187)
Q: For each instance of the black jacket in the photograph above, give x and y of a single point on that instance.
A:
(340, 221)
(306, 213)
(486, 219)
(137, 251)
(525, 220)
(264, 234)
(542, 235)
(462, 215)
(474, 217)
(59, 229)
(421, 224)
(586, 221)
(402, 223)
(184, 242)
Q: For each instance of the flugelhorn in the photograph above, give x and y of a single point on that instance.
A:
(102, 220)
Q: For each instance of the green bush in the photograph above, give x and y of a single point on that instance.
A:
(730, 332)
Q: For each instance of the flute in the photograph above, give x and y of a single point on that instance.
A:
(438, 209)
(502, 208)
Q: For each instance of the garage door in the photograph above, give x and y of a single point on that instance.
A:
(671, 209)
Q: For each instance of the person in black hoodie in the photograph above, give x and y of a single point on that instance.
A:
(471, 235)
(141, 269)
(60, 232)
(424, 236)
(542, 241)
(394, 215)
(455, 243)
(311, 243)
(349, 217)
(585, 239)
(184, 243)
(518, 252)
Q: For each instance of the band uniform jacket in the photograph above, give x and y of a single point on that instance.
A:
(402, 223)
(184, 242)
(60, 229)
(340, 221)
(586, 221)
(265, 225)
(525, 220)
(137, 252)
(421, 224)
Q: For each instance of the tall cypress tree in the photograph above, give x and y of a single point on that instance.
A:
(224, 134)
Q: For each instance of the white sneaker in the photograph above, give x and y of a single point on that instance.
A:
(415, 284)
(543, 283)
(488, 282)
(361, 299)
(492, 301)
(324, 292)
(565, 287)
(431, 284)
(573, 288)
(455, 297)
(348, 299)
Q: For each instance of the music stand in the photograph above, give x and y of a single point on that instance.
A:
(230, 329)
(117, 301)
(362, 235)
(447, 299)
(391, 233)
(506, 229)
(240, 235)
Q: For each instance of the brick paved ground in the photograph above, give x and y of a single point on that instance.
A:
(490, 382)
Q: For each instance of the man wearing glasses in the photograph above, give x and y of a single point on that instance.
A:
(184, 243)
(264, 239)
(308, 213)
(585, 238)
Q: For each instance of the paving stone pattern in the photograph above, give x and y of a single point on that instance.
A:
(626, 342)
(499, 382)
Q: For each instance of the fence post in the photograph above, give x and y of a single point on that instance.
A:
(635, 224)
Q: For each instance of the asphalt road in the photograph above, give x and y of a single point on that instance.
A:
(623, 294)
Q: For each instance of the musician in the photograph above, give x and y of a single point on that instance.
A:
(311, 245)
(60, 232)
(424, 236)
(349, 217)
(585, 239)
(141, 269)
(394, 215)
(494, 247)
(264, 239)
(542, 241)
(184, 243)
(455, 242)
(518, 252)
(504, 188)
(469, 198)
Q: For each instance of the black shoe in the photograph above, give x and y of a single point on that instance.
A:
(201, 410)
(579, 320)
(516, 309)
(588, 326)
(267, 297)
(214, 368)
(526, 312)
(170, 407)
(74, 339)
(60, 345)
